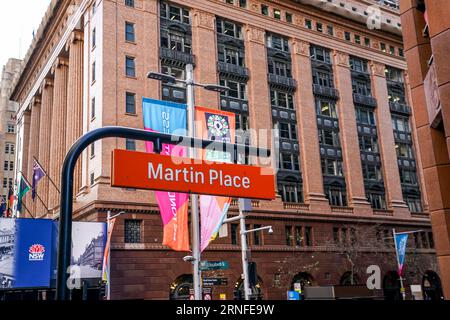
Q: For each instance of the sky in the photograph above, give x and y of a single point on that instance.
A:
(18, 20)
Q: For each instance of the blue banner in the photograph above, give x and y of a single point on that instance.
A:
(164, 116)
(401, 241)
(33, 253)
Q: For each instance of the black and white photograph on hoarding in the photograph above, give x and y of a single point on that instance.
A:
(88, 243)
(7, 236)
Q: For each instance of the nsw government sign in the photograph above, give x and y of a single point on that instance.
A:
(141, 170)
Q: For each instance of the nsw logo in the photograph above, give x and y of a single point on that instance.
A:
(36, 252)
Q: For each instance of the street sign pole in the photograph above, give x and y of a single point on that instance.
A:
(194, 198)
(244, 254)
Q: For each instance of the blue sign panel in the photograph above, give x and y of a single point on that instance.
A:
(293, 295)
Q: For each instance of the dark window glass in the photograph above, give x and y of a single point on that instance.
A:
(130, 66)
(130, 103)
(133, 231)
(129, 32)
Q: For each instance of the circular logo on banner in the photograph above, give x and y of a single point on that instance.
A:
(218, 125)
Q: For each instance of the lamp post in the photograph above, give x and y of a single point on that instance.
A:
(245, 206)
(109, 218)
(190, 85)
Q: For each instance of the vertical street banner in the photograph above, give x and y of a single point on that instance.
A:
(219, 126)
(401, 241)
(170, 118)
(105, 268)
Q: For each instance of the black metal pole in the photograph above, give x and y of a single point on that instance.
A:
(68, 168)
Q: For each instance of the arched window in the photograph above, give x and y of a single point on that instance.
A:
(304, 279)
(431, 286)
(180, 288)
(256, 291)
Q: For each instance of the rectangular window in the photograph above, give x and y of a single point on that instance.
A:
(357, 39)
(234, 233)
(130, 144)
(308, 24)
(383, 46)
(5, 165)
(130, 67)
(11, 166)
(130, 103)
(92, 179)
(129, 32)
(257, 236)
(348, 36)
(7, 148)
(129, 3)
(5, 183)
(330, 30)
(92, 108)
(288, 235)
(243, 3)
(133, 231)
(308, 237)
(277, 14)
(392, 50)
(367, 42)
(92, 150)
(93, 71)
(289, 17)
(264, 10)
(94, 38)
(319, 27)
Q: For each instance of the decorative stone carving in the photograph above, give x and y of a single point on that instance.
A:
(60, 62)
(255, 34)
(204, 19)
(300, 47)
(77, 35)
(378, 69)
(342, 59)
(47, 82)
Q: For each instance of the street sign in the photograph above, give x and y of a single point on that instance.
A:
(207, 293)
(213, 265)
(140, 170)
(215, 282)
(223, 296)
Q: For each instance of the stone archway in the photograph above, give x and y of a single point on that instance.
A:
(431, 286)
(180, 288)
(304, 279)
(347, 279)
(257, 291)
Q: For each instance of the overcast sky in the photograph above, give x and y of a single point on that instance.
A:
(18, 19)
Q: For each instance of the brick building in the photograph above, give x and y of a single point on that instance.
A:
(336, 89)
(8, 110)
(426, 36)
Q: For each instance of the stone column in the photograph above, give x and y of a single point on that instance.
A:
(58, 129)
(204, 32)
(25, 123)
(74, 116)
(260, 121)
(46, 91)
(307, 128)
(393, 186)
(33, 151)
(349, 135)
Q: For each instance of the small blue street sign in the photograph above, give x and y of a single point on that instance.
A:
(293, 295)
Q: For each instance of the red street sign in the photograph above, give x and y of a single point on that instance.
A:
(139, 170)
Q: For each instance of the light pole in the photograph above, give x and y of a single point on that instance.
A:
(190, 85)
(245, 206)
(109, 218)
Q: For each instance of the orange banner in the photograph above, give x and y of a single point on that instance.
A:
(131, 169)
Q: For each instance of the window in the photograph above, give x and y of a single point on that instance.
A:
(371, 172)
(282, 99)
(392, 50)
(243, 3)
(359, 65)
(414, 204)
(320, 54)
(5, 166)
(329, 137)
(130, 144)
(289, 236)
(11, 166)
(308, 236)
(308, 23)
(377, 201)
(287, 130)
(331, 167)
(357, 39)
(404, 150)
(129, 3)
(130, 67)
(367, 42)
(401, 52)
(231, 55)
(289, 17)
(92, 150)
(431, 240)
(383, 46)
(365, 116)
(237, 90)
(92, 108)
(129, 32)
(176, 41)
(175, 13)
(133, 231)
(257, 235)
(93, 71)
(289, 161)
(368, 143)
(393, 74)
(330, 30)
(234, 233)
(348, 36)
(408, 176)
(361, 87)
(92, 179)
(277, 42)
(326, 108)
(277, 14)
(264, 10)
(228, 28)
(323, 78)
(5, 183)
(401, 124)
(94, 37)
(280, 68)
(130, 103)
(336, 235)
(319, 27)
(337, 197)
(290, 192)
(7, 148)
(299, 236)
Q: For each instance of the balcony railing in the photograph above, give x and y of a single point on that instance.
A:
(364, 100)
(282, 81)
(325, 91)
(179, 56)
(337, 209)
(296, 206)
(233, 69)
(400, 108)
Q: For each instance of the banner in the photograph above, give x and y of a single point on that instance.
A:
(401, 241)
(106, 266)
(169, 117)
(219, 126)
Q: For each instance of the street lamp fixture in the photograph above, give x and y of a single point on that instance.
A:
(162, 77)
(216, 88)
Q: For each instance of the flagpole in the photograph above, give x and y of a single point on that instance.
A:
(402, 288)
(46, 174)
(37, 194)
